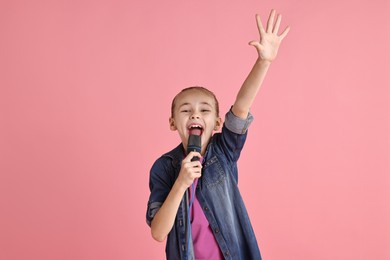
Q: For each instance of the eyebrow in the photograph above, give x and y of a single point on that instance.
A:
(202, 103)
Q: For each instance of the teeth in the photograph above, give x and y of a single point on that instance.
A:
(195, 126)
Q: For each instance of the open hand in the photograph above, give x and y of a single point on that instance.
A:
(268, 45)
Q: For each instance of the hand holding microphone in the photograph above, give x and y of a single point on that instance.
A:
(191, 168)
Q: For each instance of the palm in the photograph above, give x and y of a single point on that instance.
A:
(269, 43)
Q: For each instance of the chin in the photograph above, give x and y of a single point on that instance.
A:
(205, 139)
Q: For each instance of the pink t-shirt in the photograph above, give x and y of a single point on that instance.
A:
(205, 245)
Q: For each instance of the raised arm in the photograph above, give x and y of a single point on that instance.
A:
(267, 49)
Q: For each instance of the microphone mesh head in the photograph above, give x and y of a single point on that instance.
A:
(194, 143)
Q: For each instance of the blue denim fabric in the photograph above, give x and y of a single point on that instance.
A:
(216, 191)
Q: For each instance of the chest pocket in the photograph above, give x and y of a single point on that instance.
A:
(213, 173)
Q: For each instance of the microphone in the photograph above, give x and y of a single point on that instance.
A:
(194, 145)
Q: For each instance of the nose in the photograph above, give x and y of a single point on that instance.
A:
(195, 115)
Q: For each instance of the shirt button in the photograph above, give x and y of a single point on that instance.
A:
(206, 208)
(217, 230)
(227, 253)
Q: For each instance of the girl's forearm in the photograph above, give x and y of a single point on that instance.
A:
(250, 88)
(164, 219)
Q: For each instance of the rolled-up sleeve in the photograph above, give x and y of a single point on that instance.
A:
(153, 207)
(159, 189)
(236, 124)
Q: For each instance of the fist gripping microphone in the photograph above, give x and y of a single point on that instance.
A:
(194, 145)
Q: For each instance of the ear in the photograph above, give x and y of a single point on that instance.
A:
(172, 125)
(218, 124)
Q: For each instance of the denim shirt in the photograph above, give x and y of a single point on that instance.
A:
(217, 192)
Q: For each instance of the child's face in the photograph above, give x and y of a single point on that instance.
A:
(195, 108)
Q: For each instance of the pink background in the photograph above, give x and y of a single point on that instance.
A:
(85, 94)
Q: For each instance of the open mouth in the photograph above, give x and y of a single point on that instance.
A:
(195, 129)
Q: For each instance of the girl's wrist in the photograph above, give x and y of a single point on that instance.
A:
(263, 62)
(180, 186)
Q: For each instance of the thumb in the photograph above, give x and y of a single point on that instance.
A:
(256, 44)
